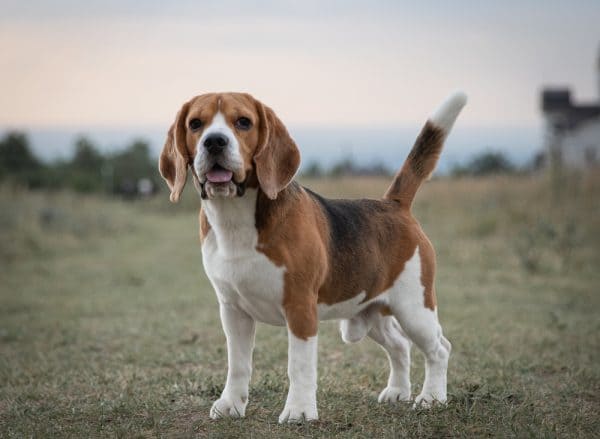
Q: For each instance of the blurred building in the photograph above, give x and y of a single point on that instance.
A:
(572, 131)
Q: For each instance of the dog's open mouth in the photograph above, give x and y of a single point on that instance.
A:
(218, 174)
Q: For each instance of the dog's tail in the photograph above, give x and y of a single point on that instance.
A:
(424, 155)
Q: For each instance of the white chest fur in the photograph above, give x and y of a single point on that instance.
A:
(245, 277)
(240, 274)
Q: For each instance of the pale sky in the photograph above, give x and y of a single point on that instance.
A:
(75, 63)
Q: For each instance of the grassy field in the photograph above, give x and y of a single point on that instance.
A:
(108, 326)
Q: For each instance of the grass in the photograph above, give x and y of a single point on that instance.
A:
(108, 326)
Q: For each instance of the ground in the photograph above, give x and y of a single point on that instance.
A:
(108, 326)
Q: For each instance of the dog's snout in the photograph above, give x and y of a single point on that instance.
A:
(215, 143)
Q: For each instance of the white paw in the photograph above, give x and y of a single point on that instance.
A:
(227, 406)
(294, 413)
(426, 400)
(394, 394)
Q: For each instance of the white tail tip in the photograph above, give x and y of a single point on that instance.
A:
(447, 113)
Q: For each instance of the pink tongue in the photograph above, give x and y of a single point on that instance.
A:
(219, 176)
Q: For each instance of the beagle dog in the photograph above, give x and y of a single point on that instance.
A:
(278, 253)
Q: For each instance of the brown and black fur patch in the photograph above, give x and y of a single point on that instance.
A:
(369, 241)
(334, 250)
(419, 164)
(427, 149)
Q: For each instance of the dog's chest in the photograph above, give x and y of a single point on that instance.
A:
(240, 274)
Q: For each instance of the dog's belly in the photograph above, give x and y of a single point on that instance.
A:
(247, 279)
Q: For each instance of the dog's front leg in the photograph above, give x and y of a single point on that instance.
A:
(301, 403)
(239, 329)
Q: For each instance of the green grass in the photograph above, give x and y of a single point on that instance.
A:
(108, 326)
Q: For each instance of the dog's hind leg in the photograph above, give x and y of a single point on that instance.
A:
(421, 325)
(386, 332)
(389, 335)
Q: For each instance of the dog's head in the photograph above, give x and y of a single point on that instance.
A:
(228, 138)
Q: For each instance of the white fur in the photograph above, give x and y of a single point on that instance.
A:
(389, 335)
(249, 287)
(448, 111)
(355, 328)
(244, 276)
(411, 318)
(347, 308)
(231, 159)
(422, 327)
(241, 275)
(239, 329)
(301, 402)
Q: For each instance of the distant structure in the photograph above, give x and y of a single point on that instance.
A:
(572, 132)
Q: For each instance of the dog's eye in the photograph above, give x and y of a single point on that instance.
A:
(195, 124)
(243, 123)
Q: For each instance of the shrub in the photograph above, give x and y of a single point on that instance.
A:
(487, 163)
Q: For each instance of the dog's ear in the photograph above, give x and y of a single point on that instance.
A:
(277, 157)
(174, 158)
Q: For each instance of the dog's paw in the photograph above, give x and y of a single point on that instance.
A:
(427, 400)
(229, 407)
(293, 413)
(394, 394)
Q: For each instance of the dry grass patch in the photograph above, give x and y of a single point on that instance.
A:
(108, 326)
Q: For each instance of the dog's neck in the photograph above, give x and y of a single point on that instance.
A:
(236, 221)
(233, 220)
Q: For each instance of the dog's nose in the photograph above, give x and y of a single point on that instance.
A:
(215, 143)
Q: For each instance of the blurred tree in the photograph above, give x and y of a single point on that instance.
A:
(538, 161)
(17, 163)
(347, 166)
(487, 163)
(87, 157)
(313, 170)
(85, 169)
(126, 168)
(343, 167)
(128, 172)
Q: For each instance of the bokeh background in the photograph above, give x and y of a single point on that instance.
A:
(108, 325)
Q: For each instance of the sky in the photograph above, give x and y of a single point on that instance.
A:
(99, 65)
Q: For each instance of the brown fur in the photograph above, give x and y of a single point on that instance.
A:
(176, 156)
(277, 157)
(419, 164)
(204, 225)
(267, 149)
(294, 232)
(373, 262)
(332, 249)
(288, 236)
(385, 311)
